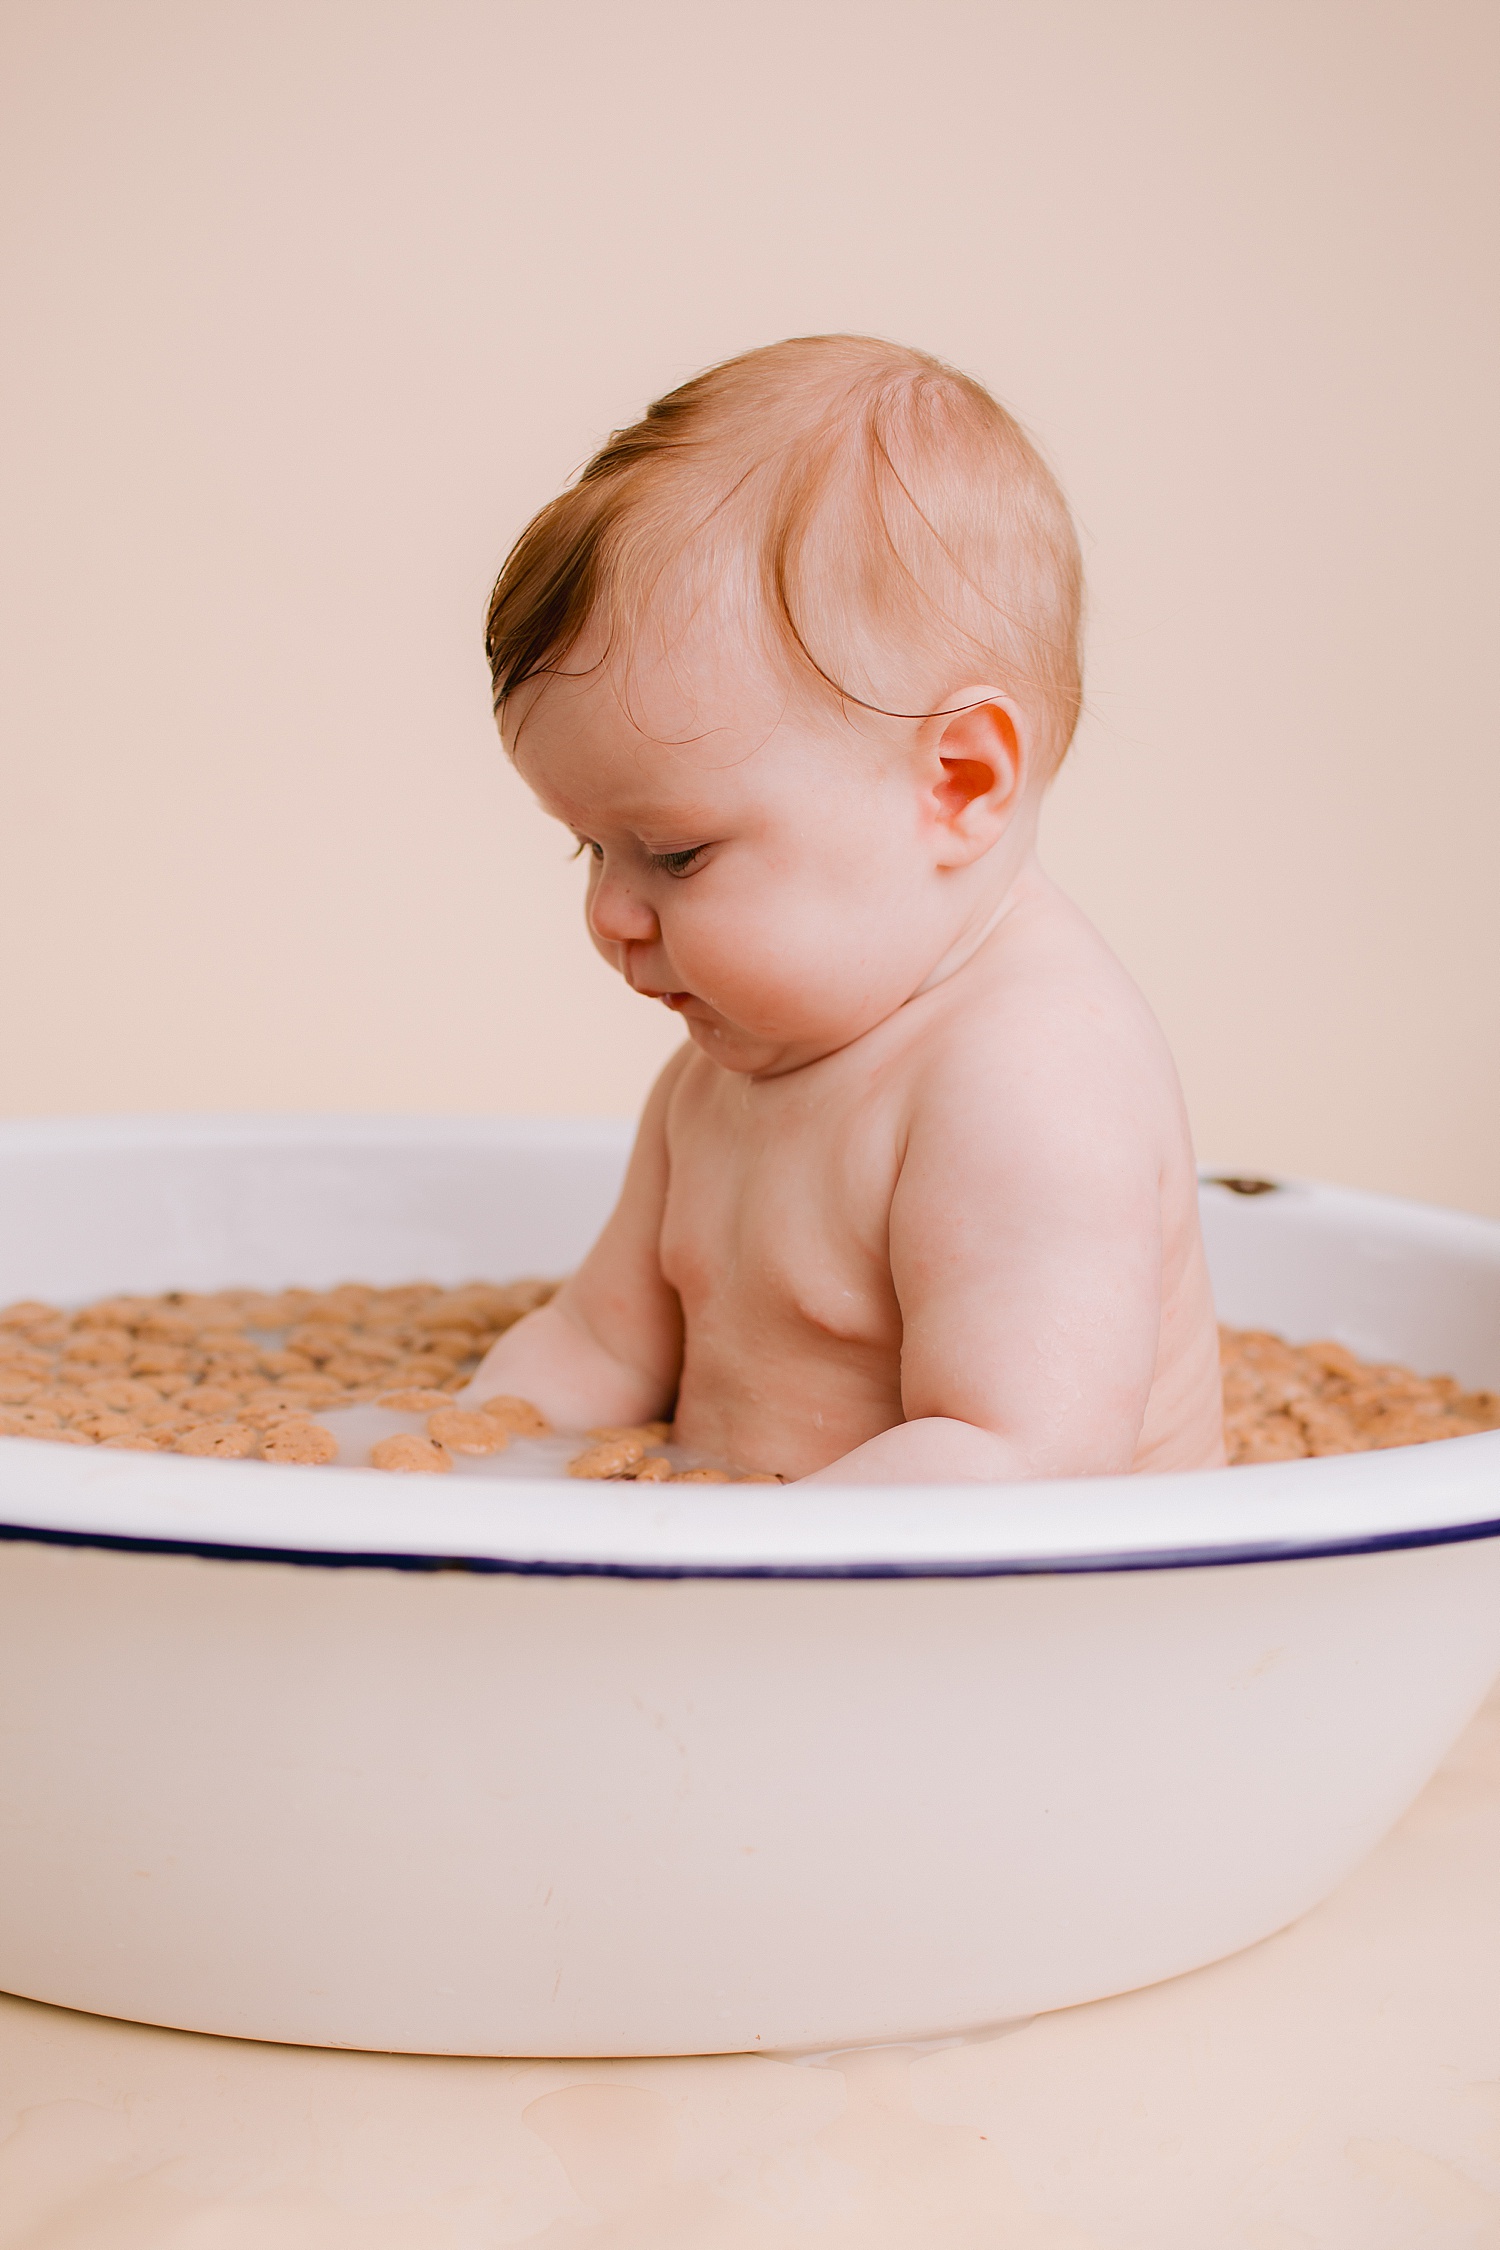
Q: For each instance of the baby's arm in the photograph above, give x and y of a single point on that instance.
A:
(608, 1347)
(1025, 1248)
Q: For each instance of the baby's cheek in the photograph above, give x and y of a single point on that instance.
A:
(781, 964)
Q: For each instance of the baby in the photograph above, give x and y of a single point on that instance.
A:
(795, 660)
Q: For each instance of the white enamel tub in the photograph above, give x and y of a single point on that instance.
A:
(544, 1769)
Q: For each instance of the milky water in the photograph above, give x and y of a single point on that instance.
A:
(358, 1428)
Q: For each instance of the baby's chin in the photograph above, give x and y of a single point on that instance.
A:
(755, 1054)
(732, 1048)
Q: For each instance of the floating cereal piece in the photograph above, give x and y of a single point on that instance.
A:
(26, 1312)
(100, 1347)
(761, 1476)
(319, 1340)
(15, 1421)
(19, 1359)
(210, 1401)
(410, 1451)
(463, 1432)
(312, 1390)
(616, 1457)
(649, 1433)
(57, 1400)
(284, 1363)
(414, 1401)
(264, 1407)
(428, 1369)
(165, 1421)
(517, 1415)
(102, 1425)
(132, 1441)
(703, 1476)
(112, 1312)
(167, 1326)
(655, 1469)
(16, 1390)
(217, 1441)
(352, 1370)
(307, 1444)
(121, 1394)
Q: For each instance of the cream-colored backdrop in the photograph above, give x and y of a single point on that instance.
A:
(308, 303)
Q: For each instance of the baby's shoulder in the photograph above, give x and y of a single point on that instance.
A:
(1045, 1019)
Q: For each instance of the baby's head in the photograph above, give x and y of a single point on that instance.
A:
(794, 659)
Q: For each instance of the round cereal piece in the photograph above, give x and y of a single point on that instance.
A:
(318, 1340)
(20, 1359)
(165, 1420)
(282, 1308)
(233, 1341)
(427, 1371)
(463, 1432)
(16, 1390)
(517, 1415)
(283, 1363)
(702, 1476)
(217, 1441)
(174, 1385)
(103, 1424)
(27, 1312)
(655, 1469)
(132, 1441)
(410, 1451)
(57, 1400)
(75, 1375)
(111, 1312)
(100, 1347)
(211, 1402)
(616, 1457)
(311, 1390)
(61, 1437)
(351, 1369)
(415, 1400)
(167, 1326)
(304, 1444)
(649, 1433)
(122, 1394)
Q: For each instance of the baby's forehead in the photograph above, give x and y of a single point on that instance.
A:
(680, 697)
(589, 758)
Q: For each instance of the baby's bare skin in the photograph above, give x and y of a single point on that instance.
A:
(917, 1202)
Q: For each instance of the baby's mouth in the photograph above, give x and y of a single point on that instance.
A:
(668, 999)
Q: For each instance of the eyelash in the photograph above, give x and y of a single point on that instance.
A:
(671, 863)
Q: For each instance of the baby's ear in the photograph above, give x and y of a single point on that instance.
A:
(979, 757)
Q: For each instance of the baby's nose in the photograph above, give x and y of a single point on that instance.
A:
(620, 916)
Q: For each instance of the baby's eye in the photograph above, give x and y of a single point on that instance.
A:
(586, 844)
(677, 863)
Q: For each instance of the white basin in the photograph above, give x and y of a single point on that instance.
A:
(537, 1768)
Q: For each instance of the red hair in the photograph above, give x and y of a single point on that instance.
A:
(894, 532)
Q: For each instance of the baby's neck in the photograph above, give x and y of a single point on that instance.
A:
(1016, 878)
